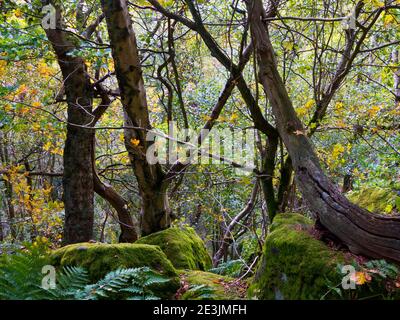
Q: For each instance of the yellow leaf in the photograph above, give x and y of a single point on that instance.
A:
(47, 146)
(288, 45)
(338, 149)
(18, 13)
(234, 117)
(135, 142)
(387, 20)
(309, 104)
(374, 111)
(339, 106)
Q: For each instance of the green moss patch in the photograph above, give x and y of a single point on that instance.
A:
(99, 259)
(379, 200)
(294, 265)
(216, 286)
(183, 247)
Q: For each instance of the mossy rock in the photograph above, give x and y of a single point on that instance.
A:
(183, 247)
(219, 287)
(294, 264)
(375, 199)
(99, 259)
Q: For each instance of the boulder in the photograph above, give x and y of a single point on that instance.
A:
(99, 259)
(210, 286)
(294, 264)
(183, 247)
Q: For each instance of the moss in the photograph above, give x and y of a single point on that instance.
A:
(99, 259)
(182, 246)
(219, 285)
(294, 265)
(375, 199)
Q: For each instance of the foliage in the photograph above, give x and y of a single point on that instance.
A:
(375, 199)
(200, 292)
(21, 279)
(357, 137)
(21, 272)
(231, 268)
(375, 279)
(130, 284)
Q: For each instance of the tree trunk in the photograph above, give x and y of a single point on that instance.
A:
(78, 173)
(268, 167)
(1, 227)
(286, 175)
(150, 177)
(363, 232)
(395, 60)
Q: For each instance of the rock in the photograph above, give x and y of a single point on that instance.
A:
(294, 264)
(99, 259)
(210, 286)
(183, 247)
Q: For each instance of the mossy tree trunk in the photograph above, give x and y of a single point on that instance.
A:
(155, 214)
(364, 232)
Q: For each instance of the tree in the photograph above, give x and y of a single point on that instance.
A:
(78, 171)
(79, 177)
(364, 232)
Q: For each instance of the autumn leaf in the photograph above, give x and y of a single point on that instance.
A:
(135, 142)
(361, 278)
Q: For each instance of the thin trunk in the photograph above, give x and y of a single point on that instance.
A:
(227, 238)
(363, 232)
(286, 174)
(268, 167)
(10, 209)
(1, 227)
(395, 59)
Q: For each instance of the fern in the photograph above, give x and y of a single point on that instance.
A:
(231, 268)
(143, 280)
(70, 282)
(201, 292)
(21, 278)
(383, 268)
(109, 286)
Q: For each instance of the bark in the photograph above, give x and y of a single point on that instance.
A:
(286, 175)
(1, 227)
(10, 209)
(268, 167)
(347, 183)
(363, 232)
(150, 178)
(78, 173)
(395, 59)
